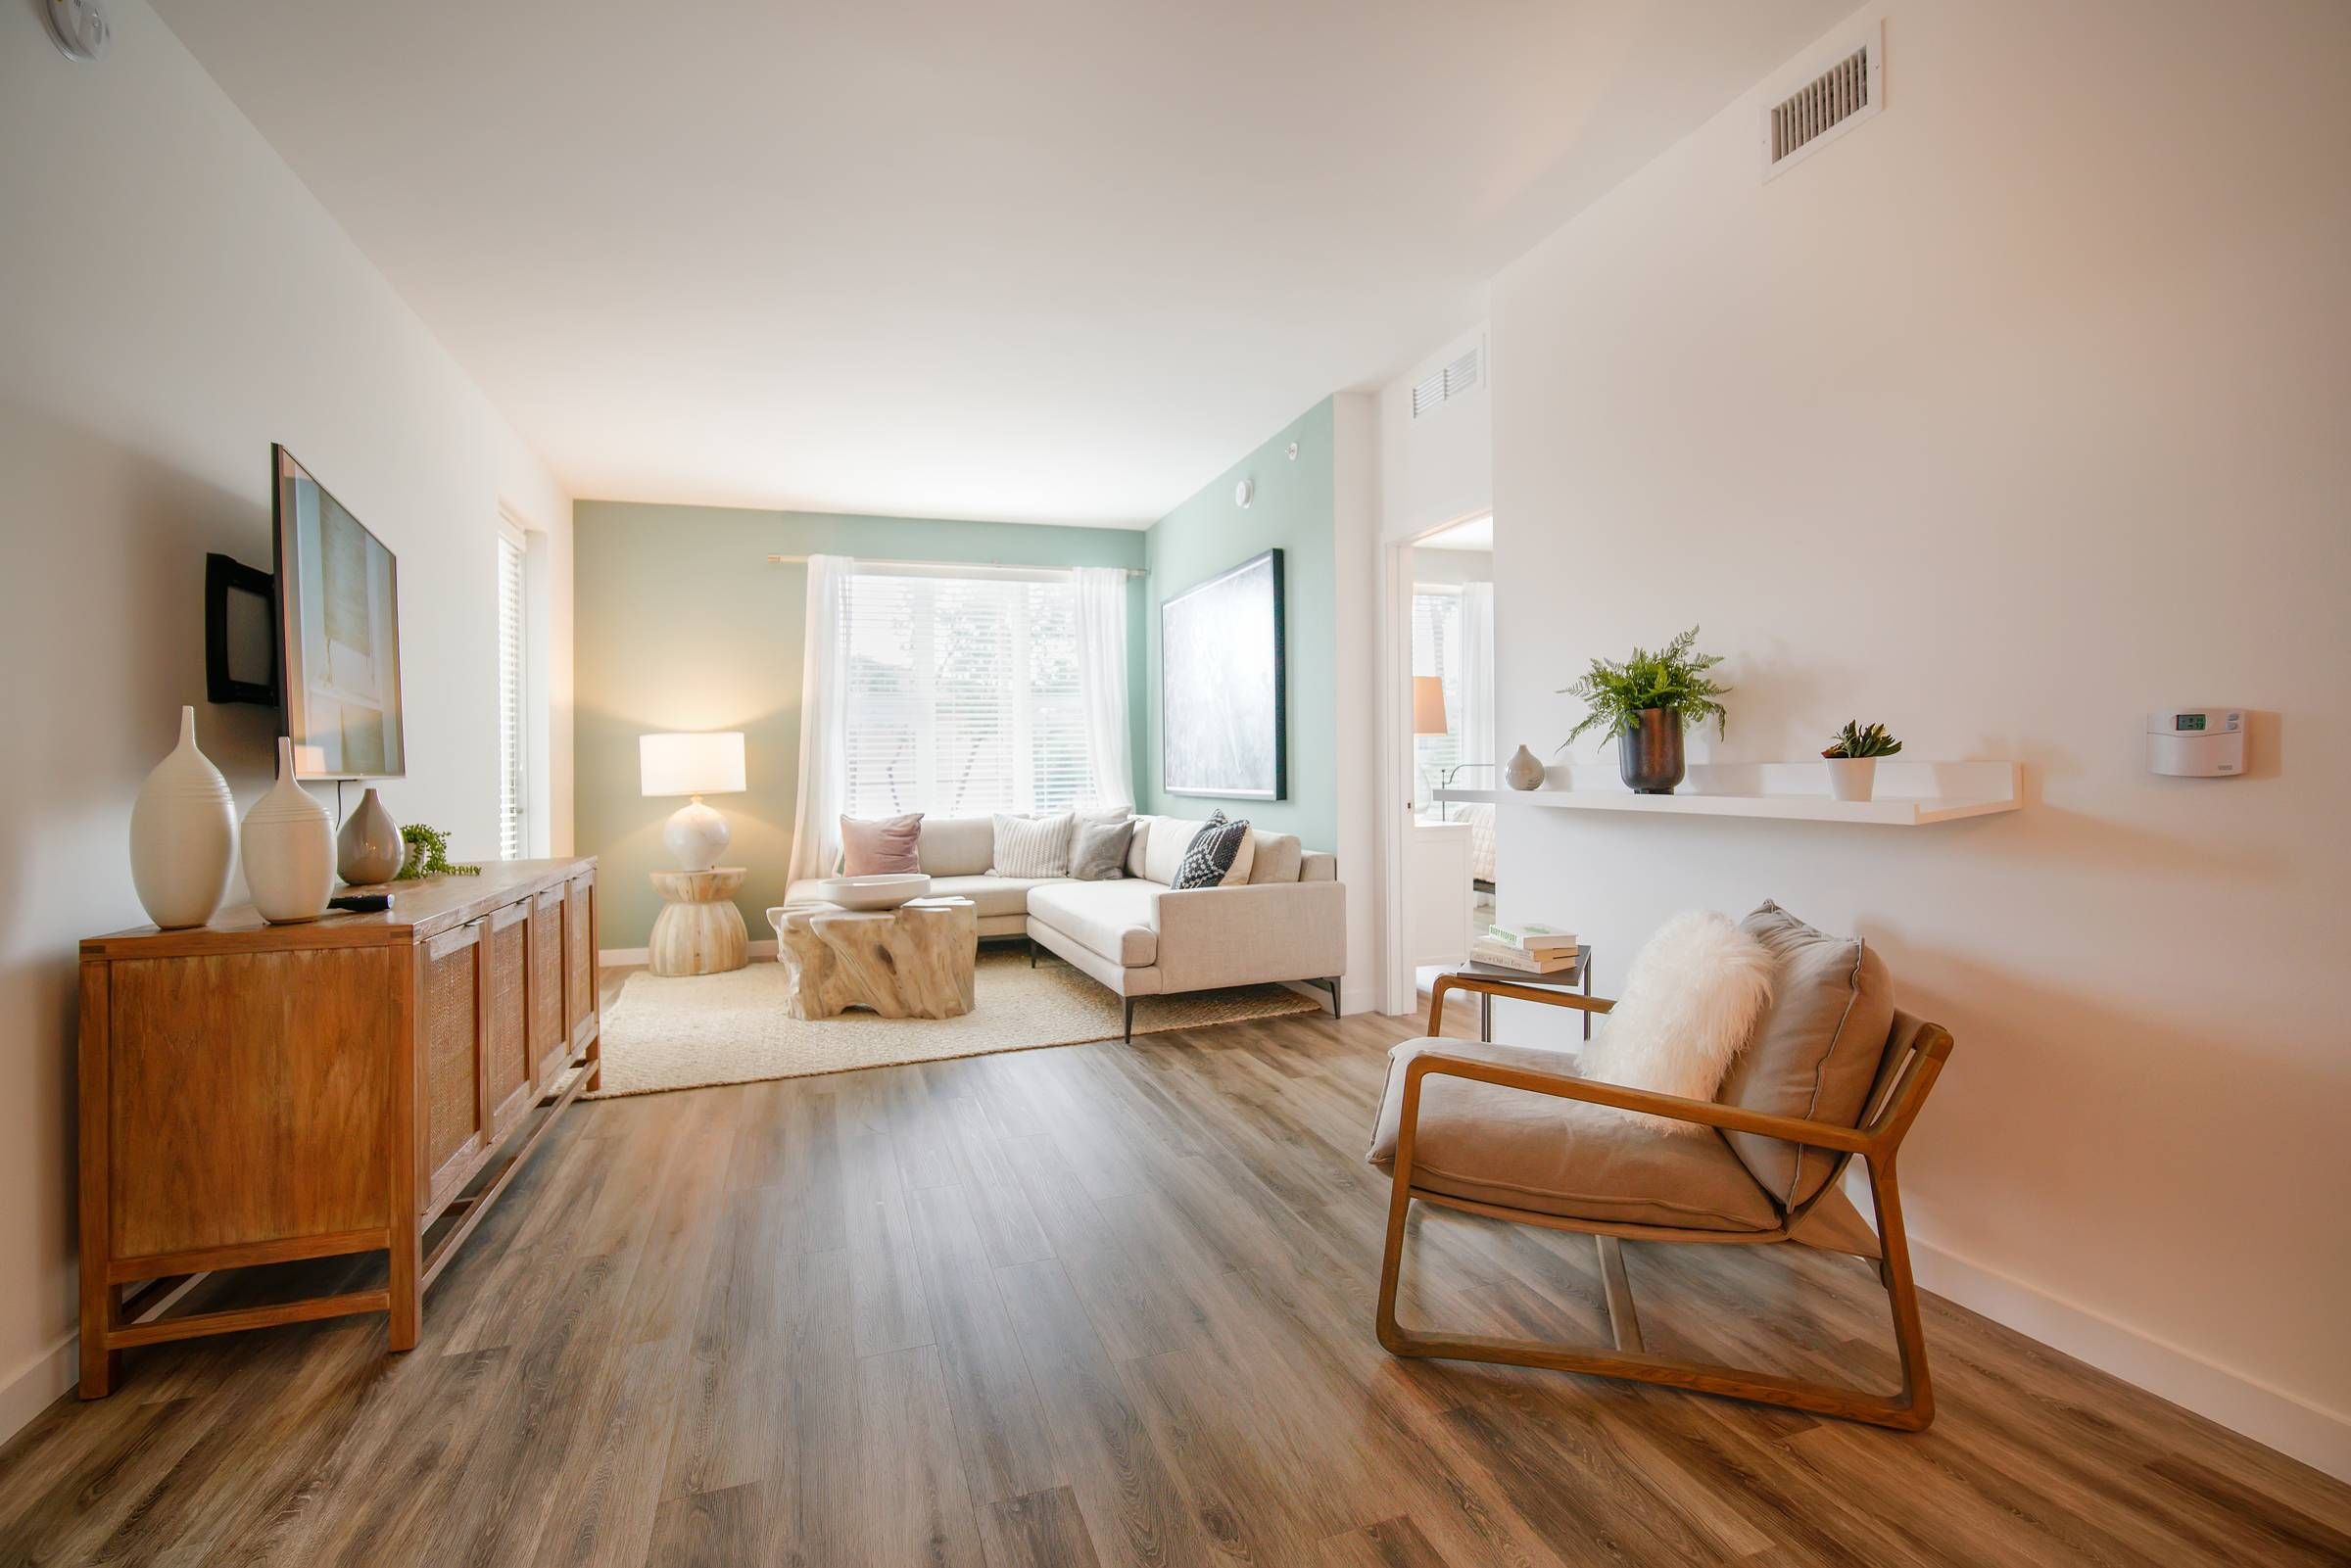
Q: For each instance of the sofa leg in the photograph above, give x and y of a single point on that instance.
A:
(1129, 1025)
(1032, 952)
(1333, 983)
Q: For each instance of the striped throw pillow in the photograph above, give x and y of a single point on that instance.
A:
(1032, 846)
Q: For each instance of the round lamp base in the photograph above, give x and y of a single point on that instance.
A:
(696, 836)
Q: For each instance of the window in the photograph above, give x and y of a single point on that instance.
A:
(1437, 651)
(512, 784)
(962, 694)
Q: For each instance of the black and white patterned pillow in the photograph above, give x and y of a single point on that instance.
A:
(1213, 849)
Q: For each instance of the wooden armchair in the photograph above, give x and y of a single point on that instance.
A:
(1914, 1054)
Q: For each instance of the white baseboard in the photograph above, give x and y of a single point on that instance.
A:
(620, 957)
(37, 1384)
(2292, 1425)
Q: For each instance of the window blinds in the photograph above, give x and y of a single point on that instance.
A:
(512, 783)
(963, 695)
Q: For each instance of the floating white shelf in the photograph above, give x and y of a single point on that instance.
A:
(1908, 795)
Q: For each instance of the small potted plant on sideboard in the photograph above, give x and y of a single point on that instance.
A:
(1853, 759)
(1644, 703)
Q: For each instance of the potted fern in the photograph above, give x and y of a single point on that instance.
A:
(1644, 703)
(1853, 759)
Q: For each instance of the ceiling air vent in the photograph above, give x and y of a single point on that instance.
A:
(1447, 384)
(1830, 103)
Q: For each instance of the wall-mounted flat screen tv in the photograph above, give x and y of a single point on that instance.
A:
(338, 624)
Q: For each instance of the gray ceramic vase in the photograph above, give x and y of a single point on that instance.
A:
(1524, 769)
(369, 849)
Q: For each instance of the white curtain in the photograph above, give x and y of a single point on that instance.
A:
(1102, 680)
(1477, 684)
(824, 707)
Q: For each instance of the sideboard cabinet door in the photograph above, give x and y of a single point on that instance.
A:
(579, 936)
(551, 1036)
(450, 1005)
(506, 1047)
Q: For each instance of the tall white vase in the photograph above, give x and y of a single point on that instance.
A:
(183, 835)
(289, 849)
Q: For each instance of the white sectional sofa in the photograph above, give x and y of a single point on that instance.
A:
(1285, 919)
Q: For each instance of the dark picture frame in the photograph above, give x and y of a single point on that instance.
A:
(1225, 732)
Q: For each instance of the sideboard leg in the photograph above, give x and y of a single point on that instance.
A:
(101, 1369)
(406, 1282)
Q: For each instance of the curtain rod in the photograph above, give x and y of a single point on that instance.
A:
(981, 566)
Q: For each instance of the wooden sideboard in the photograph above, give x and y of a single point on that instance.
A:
(257, 1094)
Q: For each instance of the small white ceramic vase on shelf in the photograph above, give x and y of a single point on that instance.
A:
(1851, 777)
(289, 849)
(369, 849)
(183, 835)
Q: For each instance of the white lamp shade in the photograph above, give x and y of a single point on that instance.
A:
(689, 763)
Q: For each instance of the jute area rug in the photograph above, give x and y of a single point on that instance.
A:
(687, 1032)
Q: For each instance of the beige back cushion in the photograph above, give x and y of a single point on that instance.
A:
(1170, 836)
(1815, 1053)
(958, 847)
(1275, 857)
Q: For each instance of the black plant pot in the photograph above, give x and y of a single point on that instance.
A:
(1651, 756)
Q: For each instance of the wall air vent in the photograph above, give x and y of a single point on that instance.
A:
(1447, 384)
(1830, 102)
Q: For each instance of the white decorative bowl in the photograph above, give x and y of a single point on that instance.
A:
(873, 893)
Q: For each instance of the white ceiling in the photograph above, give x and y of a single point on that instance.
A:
(1049, 261)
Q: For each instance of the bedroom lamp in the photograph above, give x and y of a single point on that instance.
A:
(1429, 705)
(694, 765)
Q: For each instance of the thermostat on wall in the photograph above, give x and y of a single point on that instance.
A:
(2196, 742)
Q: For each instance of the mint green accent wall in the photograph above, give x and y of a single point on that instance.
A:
(681, 624)
(1294, 509)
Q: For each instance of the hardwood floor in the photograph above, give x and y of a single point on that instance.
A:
(1094, 1304)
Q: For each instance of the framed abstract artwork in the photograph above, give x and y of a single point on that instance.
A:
(1223, 724)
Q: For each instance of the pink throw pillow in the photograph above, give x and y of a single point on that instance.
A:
(881, 846)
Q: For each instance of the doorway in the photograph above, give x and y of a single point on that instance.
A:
(1440, 762)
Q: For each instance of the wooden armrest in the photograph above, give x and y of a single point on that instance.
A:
(1708, 1113)
(1494, 985)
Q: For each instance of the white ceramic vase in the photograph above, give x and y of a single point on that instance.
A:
(289, 849)
(369, 849)
(1851, 777)
(183, 835)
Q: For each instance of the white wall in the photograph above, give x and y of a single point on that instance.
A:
(1438, 468)
(1355, 557)
(171, 301)
(2019, 411)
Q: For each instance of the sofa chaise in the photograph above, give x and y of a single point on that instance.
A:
(1285, 919)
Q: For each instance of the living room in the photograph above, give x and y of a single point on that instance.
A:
(938, 962)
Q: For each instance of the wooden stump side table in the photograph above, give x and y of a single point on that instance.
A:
(912, 962)
(700, 931)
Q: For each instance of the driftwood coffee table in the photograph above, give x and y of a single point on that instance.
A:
(912, 962)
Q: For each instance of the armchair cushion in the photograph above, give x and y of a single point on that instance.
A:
(1518, 1149)
(1816, 1050)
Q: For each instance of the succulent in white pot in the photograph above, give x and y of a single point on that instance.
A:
(1853, 759)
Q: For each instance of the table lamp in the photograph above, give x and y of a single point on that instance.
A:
(694, 765)
(1429, 705)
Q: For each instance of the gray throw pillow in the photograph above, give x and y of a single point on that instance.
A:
(1099, 854)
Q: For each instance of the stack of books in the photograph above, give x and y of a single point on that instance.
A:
(1530, 949)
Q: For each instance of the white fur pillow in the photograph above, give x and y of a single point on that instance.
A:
(1689, 1002)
